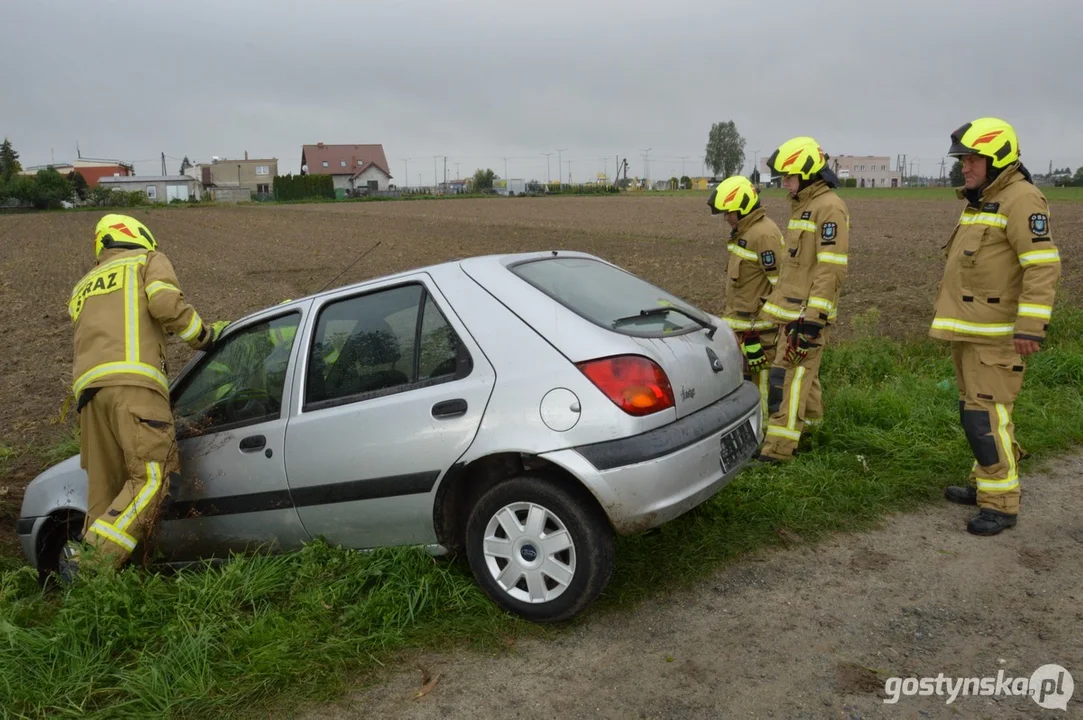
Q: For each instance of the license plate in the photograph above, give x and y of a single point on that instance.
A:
(737, 445)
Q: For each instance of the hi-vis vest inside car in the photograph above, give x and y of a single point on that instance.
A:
(1002, 267)
(122, 310)
(814, 262)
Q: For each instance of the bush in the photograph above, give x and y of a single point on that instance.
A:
(303, 187)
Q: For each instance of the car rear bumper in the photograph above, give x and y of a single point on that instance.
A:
(648, 479)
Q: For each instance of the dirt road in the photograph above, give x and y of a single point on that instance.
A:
(807, 632)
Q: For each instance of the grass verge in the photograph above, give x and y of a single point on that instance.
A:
(264, 631)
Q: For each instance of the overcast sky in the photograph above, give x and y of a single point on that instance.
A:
(478, 80)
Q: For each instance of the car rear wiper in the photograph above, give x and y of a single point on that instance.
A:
(667, 309)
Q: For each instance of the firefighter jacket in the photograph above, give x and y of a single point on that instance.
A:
(755, 251)
(122, 310)
(1002, 266)
(814, 262)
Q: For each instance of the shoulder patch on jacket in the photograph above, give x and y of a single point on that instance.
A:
(742, 243)
(768, 257)
(990, 207)
(828, 231)
(806, 215)
(1039, 224)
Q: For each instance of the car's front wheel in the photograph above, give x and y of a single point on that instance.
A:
(539, 547)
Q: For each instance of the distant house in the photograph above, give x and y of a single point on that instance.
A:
(351, 167)
(62, 167)
(158, 188)
(92, 169)
(256, 175)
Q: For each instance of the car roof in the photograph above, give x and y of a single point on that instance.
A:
(435, 269)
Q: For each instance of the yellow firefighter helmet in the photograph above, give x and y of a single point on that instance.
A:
(122, 231)
(734, 194)
(989, 137)
(801, 156)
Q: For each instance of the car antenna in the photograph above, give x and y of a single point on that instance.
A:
(359, 257)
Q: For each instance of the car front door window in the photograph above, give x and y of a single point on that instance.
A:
(241, 381)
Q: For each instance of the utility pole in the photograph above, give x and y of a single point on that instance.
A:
(647, 166)
(559, 165)
(505, 171)
(435, 182)
(756, 158)
(548, 174)
(942, 163)
(445, 170)
(457, 176)
(163, 165)
(682, 159)
(569, 172)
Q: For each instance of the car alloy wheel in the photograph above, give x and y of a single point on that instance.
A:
(529, 552)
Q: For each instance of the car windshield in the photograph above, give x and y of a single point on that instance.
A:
(608, 296)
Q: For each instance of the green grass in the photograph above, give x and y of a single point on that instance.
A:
(265, 632)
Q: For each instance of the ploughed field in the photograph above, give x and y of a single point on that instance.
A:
(233, 260)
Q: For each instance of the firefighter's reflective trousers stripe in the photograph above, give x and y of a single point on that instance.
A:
(768, 341)
(794, 398)
(130, 454)
(990, 378)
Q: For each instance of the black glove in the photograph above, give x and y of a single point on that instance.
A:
(755, 358)
(799, 337)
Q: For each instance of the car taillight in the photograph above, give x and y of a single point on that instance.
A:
(637, 385)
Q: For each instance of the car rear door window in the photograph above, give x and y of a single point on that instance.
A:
(379, 343)
(606, 295)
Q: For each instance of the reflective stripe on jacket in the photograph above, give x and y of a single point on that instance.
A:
(755, 252)
(1002, 266)
(122, 310)
(814, 262)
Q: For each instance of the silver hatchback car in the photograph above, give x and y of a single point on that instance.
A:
(522, 408)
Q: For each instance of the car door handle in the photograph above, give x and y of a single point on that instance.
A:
(253, 442)
(449, 408)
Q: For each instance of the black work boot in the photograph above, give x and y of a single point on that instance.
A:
(963, 495)
(990, 522)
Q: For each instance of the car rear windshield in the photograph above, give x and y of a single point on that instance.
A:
(606, 295)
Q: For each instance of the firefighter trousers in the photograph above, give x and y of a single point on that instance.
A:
(794, 398)
(129, 451)
(989, 379)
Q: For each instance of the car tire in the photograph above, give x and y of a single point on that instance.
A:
(539, 547)
(57, 533)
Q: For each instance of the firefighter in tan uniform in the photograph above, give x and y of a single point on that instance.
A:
(122, 310)
(806, 297)
(755, 250)
(994, 304)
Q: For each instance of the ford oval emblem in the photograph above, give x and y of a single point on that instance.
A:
(529, 553)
